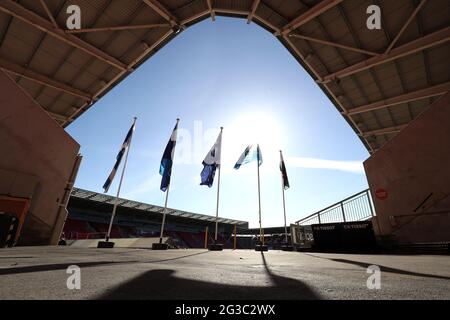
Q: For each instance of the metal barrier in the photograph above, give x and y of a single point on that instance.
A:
(355, 208)
(73, 235)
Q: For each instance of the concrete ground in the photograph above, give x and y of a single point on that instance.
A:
(40, 273)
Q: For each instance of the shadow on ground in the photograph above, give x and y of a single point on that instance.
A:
(384, 268)
(163, 284)
(64, 266)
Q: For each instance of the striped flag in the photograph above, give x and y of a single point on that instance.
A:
(284, 173)
(211, 163)
(249, 155)
(165, 169)
(119, 157)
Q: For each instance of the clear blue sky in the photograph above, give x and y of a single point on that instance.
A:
(224, 73)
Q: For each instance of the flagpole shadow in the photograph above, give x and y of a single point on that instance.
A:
(164, 284)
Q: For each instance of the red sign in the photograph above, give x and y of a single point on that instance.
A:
(381, 194)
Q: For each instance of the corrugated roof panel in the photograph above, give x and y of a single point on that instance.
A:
(191, 9)
(345, 23)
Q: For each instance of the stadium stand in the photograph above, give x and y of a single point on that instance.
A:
(90, 212)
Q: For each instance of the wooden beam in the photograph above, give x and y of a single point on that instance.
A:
(49, 14)
(162, 11)
(253, 10)
(333, 44)
(120, 28)
(41, 79)
(403, 28)
(211, 11)
(309, 15)
(417, 45)
(16, 10)
(428, 92)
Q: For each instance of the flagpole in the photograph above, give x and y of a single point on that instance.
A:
(165, 203)
(284, 203)
(164, 215)
(218, 188)
(120, 186)
(259, 199)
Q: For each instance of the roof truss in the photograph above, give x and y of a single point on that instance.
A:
(18, 11)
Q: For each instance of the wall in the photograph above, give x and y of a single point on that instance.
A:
(37, 158)
(414, 169)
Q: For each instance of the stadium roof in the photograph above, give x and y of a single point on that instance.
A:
(124, 203)
(379, 80)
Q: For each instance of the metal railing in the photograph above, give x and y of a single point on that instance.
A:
(73, 235)
(355, 208)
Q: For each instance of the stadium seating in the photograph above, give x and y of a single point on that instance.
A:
(75, 229)
(191, 239)
(103, 228)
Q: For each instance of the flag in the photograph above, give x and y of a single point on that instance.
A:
(249, 155)
(211, 163)
(165, 169)
(125, 145)
(283, 173)
(259, 156)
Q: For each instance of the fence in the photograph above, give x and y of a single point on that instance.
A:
(73, 235)
(355, 208)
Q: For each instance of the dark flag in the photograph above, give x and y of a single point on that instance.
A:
(283, 172)
(119, 157)
(165, 169)
(211, 163)
(259, 155)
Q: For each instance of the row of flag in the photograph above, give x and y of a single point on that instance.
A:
(210, 163)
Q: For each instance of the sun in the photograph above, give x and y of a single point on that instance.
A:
(258, 127)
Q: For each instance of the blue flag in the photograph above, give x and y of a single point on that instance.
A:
(249, 155)
(165, 169)
(211, 163)
(123, 149)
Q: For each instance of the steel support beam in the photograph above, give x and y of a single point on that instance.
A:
(56, 116)
(119, 75)
(428, 92)
(417, 45)
(49, 14)
(211, 11)
(382, 131)
(195, 17)
(333, 44)
(246, 13)
(162, 11)
(120, 28)
(309, 15)
(327, 88)
(253, 10)
(232, 11)
(16, 10)
(403, 28)
(41, 79)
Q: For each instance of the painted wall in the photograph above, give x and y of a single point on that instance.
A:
(414, 169)
(37, 158)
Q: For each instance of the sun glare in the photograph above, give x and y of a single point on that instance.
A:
(253, 128)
